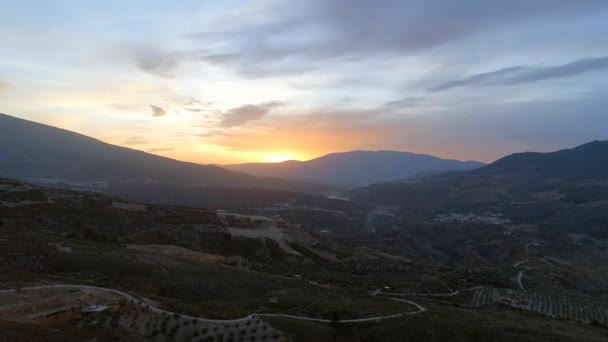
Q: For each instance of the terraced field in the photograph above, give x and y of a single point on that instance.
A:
(554, 304)
(57, 303)
(599, 276)
(157, 325)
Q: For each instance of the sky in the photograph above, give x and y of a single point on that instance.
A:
(263, 81)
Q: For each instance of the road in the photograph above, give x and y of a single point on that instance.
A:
(520, 277)
(522, 262)
(128, 296)
(123, 294)
(357, 320)
(420, 308)
(153, 306)
(443, 294)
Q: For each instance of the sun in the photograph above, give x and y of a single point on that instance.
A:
(277, 158)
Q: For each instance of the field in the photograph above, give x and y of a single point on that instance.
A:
(554, 304)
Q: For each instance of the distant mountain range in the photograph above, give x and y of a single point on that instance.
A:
(568, 188)
(31, 150)
(357, 168)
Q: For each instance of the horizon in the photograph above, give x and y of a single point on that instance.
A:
(277, 158)
(269, 81)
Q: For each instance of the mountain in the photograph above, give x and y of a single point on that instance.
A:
(356, 168)
(566, 190)
(31, 150)
(588, 160)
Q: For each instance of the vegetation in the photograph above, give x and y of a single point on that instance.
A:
(464, 247)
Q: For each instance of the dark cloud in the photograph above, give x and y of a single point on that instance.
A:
(407, 102)
(159, 63)
(422, 24)
(157, 111)
(132, 141)
(522, 74)
(240, 115)
(492, 76)
(565, 70)
(345, 30)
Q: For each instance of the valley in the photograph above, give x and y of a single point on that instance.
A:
(304, 171)
(509, 249)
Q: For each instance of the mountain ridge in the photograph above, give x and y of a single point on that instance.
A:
(33, 150)
(356, 168)
(586, 160)
(566, 177)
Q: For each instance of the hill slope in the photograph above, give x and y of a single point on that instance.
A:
(32, 150)
(356, 168)
(566, 189)
(588, 160)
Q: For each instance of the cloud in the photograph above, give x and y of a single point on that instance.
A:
(133, 141)
(480, 130)
(565, 70)
(194, 105)
(407, 102)
(314, 133)
(423, 24)
(523, 74)
(241, 115)
(309, 35)
(487, 77)
(3, 85)
(157, 111)
(157, 62)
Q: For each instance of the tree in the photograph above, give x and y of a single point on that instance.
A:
(335, 317)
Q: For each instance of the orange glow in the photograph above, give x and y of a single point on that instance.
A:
(277, 158)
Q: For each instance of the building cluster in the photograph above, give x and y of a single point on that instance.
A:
(280, 206)
(242, 221)
(487, 218)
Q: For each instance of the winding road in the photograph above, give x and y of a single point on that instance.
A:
(520, 277)
(444, 294)
(153, 306)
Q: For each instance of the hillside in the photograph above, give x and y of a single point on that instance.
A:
(567, 190)
(519, 174)
(162, 273)
(31, 150)
(356, 168)
(588, 160)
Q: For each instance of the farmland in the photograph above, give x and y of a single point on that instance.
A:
(555, 304)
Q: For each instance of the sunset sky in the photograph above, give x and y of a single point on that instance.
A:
(240, 81)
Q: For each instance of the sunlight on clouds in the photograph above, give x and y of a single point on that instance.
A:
(342, 83)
